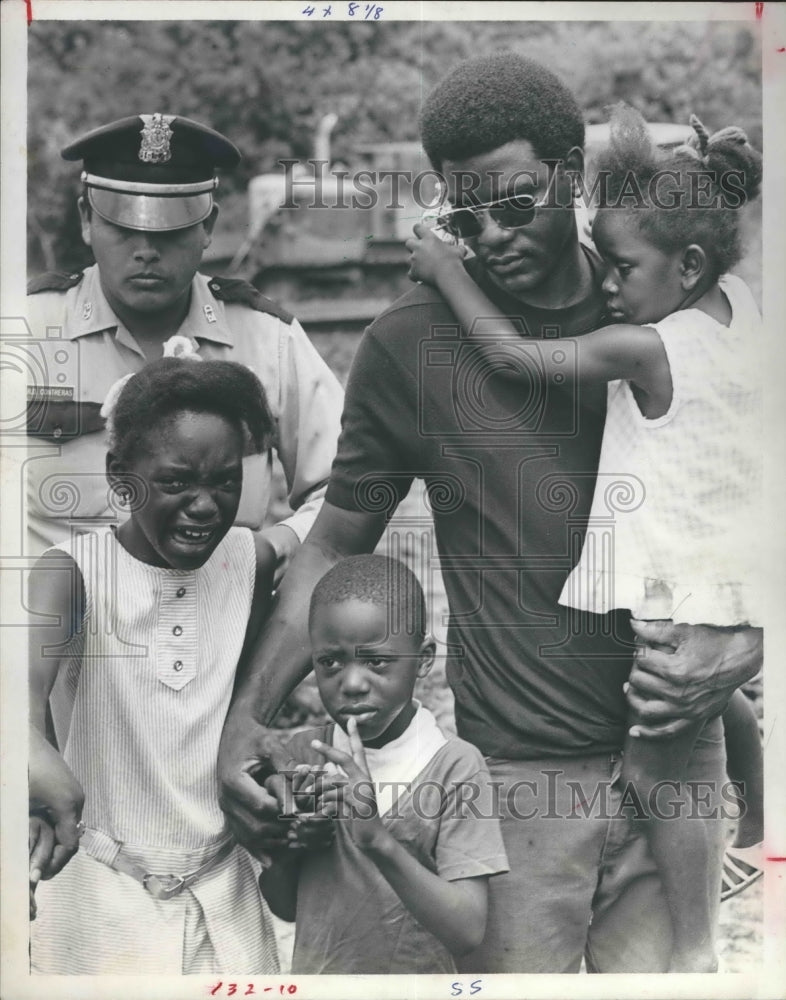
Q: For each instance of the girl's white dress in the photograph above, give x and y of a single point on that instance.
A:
(673, 531)
(138, 711)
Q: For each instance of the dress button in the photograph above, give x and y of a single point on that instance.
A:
(177, 665)
(177, 630)
(181, 592)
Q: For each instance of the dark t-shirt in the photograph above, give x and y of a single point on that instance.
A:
(510, 469)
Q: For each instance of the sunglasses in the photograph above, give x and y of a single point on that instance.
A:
(507, 213)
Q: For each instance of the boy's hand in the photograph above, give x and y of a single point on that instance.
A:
(353, 800)
(311, 832)
(431, 258)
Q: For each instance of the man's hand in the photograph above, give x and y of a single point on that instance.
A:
(432, 258)
(297, 791)
(296, 788)
(251, 810)
(56, 793)
(285, 544)
(685, 673)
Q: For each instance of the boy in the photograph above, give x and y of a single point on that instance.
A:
(404, 885)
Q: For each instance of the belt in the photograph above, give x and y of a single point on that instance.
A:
(166, 886)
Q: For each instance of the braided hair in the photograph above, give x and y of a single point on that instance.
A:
(691, 195)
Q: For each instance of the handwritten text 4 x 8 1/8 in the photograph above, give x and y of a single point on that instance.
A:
(369, 12)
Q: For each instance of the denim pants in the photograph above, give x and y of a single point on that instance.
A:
(582, 881)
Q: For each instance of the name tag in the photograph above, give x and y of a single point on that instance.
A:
(42, 393)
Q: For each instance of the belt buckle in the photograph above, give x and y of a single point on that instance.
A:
(163, 886)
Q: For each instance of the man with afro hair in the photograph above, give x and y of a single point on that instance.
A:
(538, 687)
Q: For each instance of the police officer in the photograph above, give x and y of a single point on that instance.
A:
(147, 211)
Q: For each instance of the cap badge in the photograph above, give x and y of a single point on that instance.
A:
(156, 136)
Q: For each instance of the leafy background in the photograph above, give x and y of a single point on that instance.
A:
(266, 84)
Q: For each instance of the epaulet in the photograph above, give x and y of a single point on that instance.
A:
(237, 290)
(54, 281)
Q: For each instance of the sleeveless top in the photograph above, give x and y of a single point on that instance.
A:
(672, 531)
(139, 708)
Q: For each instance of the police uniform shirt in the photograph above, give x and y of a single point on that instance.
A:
(85, 349)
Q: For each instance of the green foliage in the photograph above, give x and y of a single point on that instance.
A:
(266, 84)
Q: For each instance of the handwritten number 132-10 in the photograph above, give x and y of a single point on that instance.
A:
(457, 989)
(231, 990)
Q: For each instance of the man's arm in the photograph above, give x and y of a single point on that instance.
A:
(277, 662)
(682, 673)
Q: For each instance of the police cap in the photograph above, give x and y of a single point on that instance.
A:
(154, 172)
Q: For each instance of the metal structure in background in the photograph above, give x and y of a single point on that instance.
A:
(328, 241)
